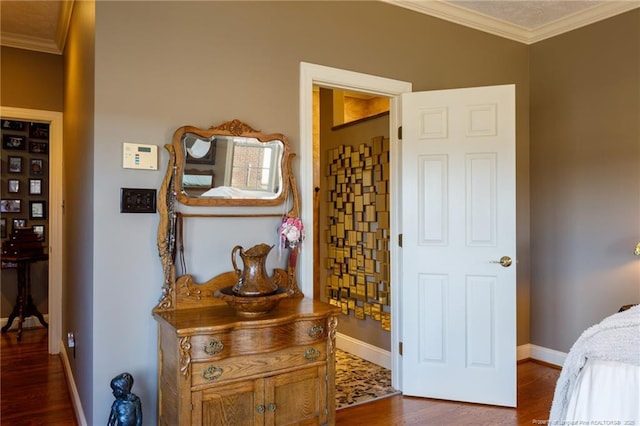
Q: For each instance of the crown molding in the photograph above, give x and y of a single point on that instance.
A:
(476, 20)
(20, 41)
(64, 20)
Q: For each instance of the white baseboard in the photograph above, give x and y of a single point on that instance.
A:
(539, 353)
(29, 322)
(383, 358)
(364, 350)
(549, 356)
(71, 384)
(523, 352)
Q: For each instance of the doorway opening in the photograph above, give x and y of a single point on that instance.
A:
(54, 213)
(312, 75)
(351, 224)
(351, 218)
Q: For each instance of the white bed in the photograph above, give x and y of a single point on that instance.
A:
(600, 378)
(230, 192)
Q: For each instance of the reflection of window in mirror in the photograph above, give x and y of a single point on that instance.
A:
(254, 165)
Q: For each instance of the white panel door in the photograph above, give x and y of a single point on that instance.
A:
(458, 221)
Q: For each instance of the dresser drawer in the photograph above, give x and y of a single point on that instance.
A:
(247, 341)
(212, 372)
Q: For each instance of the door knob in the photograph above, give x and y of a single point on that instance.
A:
(504, 261)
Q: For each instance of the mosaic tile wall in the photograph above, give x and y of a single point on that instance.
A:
(358, 232)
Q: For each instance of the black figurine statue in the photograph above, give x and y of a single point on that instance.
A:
(126, 409)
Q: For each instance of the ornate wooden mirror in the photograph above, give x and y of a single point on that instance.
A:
(230, 165)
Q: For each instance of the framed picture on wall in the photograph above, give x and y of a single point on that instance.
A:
(15, 164)
(13, 186)
(36, 167)
(35, 186)
(10, 206)
(13, 125)
(38, 147)
(39, 130)
(39, 231)
(14, 142)
(19, 223)
(36, 210)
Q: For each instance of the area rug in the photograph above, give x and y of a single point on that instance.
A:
(359, 381)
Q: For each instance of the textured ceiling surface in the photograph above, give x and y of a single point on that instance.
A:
(34, 25)
(530, 14)
(37, 19)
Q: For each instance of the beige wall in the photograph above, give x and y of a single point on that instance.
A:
(30, 79)
(585, 178)
(78, 223)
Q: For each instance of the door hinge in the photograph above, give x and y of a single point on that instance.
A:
(400, 348)
(400, 240)
(191, 407)
(400, 132)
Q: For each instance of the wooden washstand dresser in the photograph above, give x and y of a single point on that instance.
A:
(217, 367)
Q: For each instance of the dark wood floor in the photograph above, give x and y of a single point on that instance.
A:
(33, 388)
(536, 384)
(34, 392)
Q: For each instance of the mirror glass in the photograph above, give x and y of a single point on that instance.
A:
(217, 168)
(232, 167)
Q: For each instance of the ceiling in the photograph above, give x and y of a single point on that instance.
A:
(526, 21)
(42, 25)
(35, 25)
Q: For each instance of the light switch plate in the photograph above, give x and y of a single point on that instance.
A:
(137, 200)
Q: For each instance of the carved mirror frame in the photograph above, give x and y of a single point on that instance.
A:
(232, 129)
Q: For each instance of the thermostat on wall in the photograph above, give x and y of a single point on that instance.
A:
(139, 156)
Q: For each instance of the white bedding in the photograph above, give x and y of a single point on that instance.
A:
(603, 361)
(230, 192)
(606, 391)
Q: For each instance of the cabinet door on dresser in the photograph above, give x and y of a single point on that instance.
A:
(297, 398)
(238, 404)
